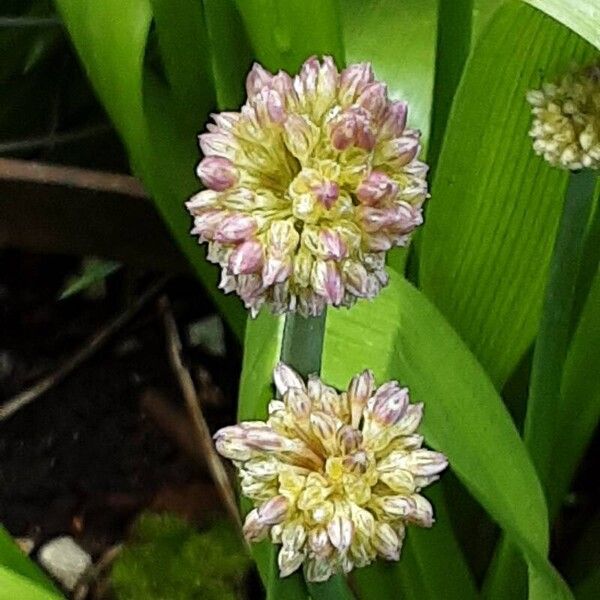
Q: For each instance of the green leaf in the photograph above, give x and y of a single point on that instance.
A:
(19, 576)
(184, 52)
(582, 16)
(494, 209)
(454, 41)
(284, 34)
(399, 40)
(428, 558)
(545, 402)
(401, 335)
(231, 53)
(580, 412)
(159, 133)
(93, 272)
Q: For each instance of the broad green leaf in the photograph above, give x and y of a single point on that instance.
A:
(580, 389)
(231, 54)
(582, 16)
(454, 41)
(401, 335)
(110, 38)
(483, 11)
(545, 402)
(19, 576)
(399, 40)
(13, 586)
(284, 34)
(184, 52)
(494, 209)
(428, 558)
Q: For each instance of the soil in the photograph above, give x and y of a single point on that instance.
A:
(85, 458)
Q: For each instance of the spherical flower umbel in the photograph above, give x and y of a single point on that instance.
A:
(566, 125)
(307, 187)
(334, 477)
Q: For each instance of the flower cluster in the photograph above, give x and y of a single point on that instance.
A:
(566, 125)
(335, 477)
(307, 187)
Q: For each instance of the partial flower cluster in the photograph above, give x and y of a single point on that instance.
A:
(566, 125)
(307, 187)
(335, 477)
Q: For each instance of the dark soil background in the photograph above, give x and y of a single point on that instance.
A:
(86, 457)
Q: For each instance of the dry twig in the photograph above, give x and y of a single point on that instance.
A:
(86, 351)
(201, 430)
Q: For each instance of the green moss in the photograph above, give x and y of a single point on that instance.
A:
(168, 559)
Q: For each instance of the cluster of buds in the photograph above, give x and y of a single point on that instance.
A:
(566, 125)
(307, 187)
(334, 477)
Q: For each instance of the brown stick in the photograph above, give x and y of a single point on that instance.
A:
(12, 169)
(201, 430)
(86, 351)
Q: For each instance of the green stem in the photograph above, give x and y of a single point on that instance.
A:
(552, 343)
(545, 404)
(301, 349)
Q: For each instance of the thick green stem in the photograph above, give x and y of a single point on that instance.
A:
(301, 349)
(545, 404)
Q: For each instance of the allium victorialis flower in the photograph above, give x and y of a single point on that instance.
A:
(335, 477)
(307, 187)
(566, 125)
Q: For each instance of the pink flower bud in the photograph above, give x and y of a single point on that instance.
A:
(349, 439)
(246, 258)
(286, 378)
(359, 392)
(298, 403)
(341, 531)
(273, 511)
(397, 506)
(201, 201)
(235, 228)
(333, 246)
(207, 223)
(328, 78)
(217, 173)
(422, 513)
(376, 188)
(398, 152)
(356, 278)
(218, 144)
(411, 419)
(353, 80)
(386, 541)
(394, 120)
(323, 426)
(276, 270)
(254, 529)
(343, 131)
(327, 193)
(318, 541)
(327, 281)
(389, 403)
(374, 99)
(258, 79)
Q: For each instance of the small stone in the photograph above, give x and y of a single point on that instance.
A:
(25, 544)
(65, 561)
